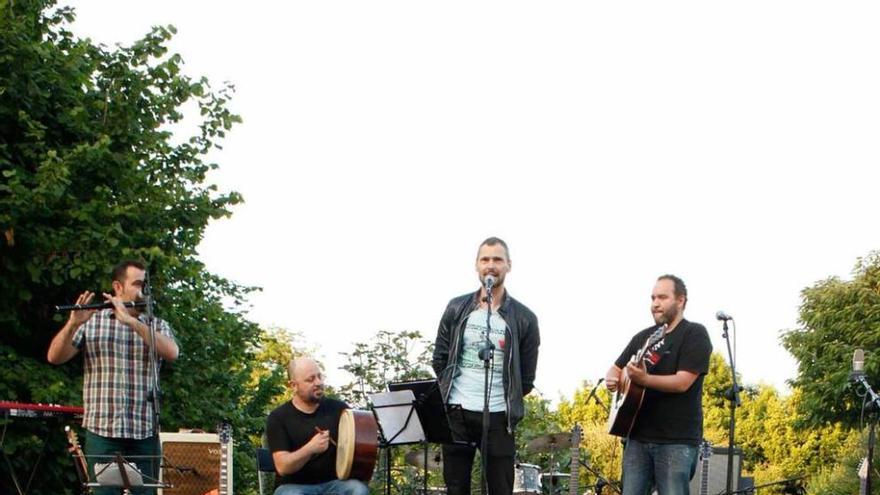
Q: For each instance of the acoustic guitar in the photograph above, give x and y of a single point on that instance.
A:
(76, 452)
(628, 398)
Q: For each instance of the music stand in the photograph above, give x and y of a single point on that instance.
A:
(122, 473)
(430, 408)
(394, 415)
(431, 411)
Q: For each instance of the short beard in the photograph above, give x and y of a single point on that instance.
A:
(667, 316)
(314, 398)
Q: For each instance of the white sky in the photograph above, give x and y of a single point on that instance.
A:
(732, 143)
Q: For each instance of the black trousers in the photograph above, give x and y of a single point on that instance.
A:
(458, 460)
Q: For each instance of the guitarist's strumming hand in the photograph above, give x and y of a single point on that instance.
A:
(637, 374)
(612, 378)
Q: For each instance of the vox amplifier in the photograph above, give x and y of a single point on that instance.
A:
(197, 463)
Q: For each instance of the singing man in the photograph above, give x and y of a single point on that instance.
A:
(513, 333)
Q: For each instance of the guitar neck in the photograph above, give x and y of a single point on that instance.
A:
(77, 453)
(224, 481)
(704, 477)
(705, 453)
(574, 467)
(225, 434)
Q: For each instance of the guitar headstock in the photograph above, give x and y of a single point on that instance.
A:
(656, 336)
(705, 449)
(576, 436)
(224, 431)
(72, 437)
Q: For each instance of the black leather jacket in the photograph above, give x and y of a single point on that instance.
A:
(520, 355)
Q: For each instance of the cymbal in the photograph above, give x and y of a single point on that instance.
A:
(417, 458)
(550, 441)
(555, 474)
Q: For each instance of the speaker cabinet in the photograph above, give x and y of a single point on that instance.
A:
(195, 463)
(717, 479)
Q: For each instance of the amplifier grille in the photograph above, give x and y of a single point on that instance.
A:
(192, 463)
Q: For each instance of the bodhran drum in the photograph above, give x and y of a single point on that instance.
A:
(357, 446)
(526, 479)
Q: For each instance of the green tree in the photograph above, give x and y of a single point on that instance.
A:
(836, 317)
(90, 173)
(716, 406)
(277, 347)
(774, 448)
(387, 357)
(602, 451)
(539, 420)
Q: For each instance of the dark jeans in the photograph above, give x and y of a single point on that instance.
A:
(143, 453)
(335, 487)
(459, 459)
(666, 467)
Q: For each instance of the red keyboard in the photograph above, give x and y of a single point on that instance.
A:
(25, 410)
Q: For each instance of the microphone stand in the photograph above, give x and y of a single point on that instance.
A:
(487, 354)
(733, 397)
(873, 404)
(601, 481)
(155, 392)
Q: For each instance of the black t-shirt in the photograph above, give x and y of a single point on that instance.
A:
(670, 417)
(288, 429)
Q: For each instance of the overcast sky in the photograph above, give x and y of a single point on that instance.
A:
(734, 144)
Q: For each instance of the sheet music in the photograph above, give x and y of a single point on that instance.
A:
(392, 410)
(108, 474)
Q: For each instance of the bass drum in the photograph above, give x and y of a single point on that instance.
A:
(526, 479)
(358, 445)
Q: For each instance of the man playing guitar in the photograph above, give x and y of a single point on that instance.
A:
(663, 443)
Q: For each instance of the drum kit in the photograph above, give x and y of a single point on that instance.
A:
(529, 479)
(358, 445)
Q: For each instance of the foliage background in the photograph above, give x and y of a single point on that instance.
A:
(96, 165)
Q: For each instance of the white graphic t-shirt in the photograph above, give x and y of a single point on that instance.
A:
(468, 383)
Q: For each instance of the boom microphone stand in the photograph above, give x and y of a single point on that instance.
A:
(595, 397)
(601, 481)
(872, 403)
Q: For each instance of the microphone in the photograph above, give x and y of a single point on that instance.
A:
(722, 316)
(103, 305)
(858, 365)
(489, 282)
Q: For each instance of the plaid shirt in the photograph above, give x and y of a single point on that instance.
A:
(116, 380)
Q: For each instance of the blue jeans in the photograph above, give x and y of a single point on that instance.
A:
(335, 487)
(666, 467)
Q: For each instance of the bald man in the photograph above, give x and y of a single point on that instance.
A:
(299, 433)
